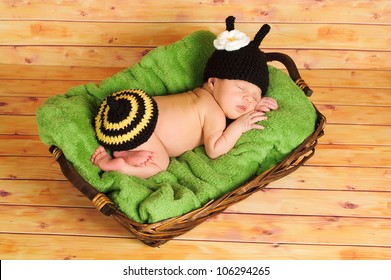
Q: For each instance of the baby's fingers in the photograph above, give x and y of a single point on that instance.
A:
(270, 102)
(266, 104)
(257, 126)
(258, 116)
(263, 108)
(249, 120)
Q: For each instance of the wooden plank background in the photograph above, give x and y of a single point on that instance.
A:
(338, 206)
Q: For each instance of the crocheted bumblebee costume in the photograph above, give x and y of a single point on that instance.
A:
(126, 119)
(236, 58)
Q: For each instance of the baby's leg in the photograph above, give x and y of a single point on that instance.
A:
(159, 162)
(135, 158)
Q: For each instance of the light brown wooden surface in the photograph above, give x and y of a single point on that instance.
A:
(338, 206)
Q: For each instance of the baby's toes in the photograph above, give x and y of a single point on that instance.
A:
(97, 152)
(152, 155)
(94, 156)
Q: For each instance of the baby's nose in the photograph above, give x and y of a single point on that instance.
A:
(251, 99)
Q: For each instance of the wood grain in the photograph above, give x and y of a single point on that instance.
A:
(356, 134)
(347, 96)
(204, 11)
(33, 168)
(20, 105)
(318, 203)
(81, 74)
(22, 145)
(348, 78)
(37, 88)
(321, 78)
(337, 206)
(250, 228)
(356, 156)
(35, 192)
(97, 56)
(18, 125)
(301, 36)
(365, 115)
(337, 178)
(18, 246)
(271, 201)
(332, 95)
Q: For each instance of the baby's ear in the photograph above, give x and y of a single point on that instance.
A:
(211, 82)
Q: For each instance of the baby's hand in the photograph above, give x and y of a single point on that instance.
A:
(249, 121)
(266, 104)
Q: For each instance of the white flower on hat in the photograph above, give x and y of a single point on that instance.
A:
(231, 40)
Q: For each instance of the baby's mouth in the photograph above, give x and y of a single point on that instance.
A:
(241, 108)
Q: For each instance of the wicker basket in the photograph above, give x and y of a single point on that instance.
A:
(159, 233)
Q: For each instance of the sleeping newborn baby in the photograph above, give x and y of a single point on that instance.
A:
(143, 132)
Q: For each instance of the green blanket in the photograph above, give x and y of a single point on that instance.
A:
(191, 179)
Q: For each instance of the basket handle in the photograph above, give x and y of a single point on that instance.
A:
(292, 70)
(100, 200)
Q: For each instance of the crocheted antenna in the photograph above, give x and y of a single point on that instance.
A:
(230, 23)
(261, 34)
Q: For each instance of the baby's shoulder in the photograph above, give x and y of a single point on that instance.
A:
(208, 105)
(204, 98)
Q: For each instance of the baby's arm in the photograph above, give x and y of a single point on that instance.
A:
(219, 141)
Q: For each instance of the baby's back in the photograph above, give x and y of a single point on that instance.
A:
(180, 121)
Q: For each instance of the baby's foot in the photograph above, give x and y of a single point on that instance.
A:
(99, 155)
(136, 158)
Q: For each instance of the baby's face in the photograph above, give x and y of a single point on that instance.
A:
(236, 97)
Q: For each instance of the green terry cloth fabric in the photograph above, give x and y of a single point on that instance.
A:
(192, 179)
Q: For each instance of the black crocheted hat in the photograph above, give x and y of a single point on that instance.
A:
(125, 120)
(236, 58)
